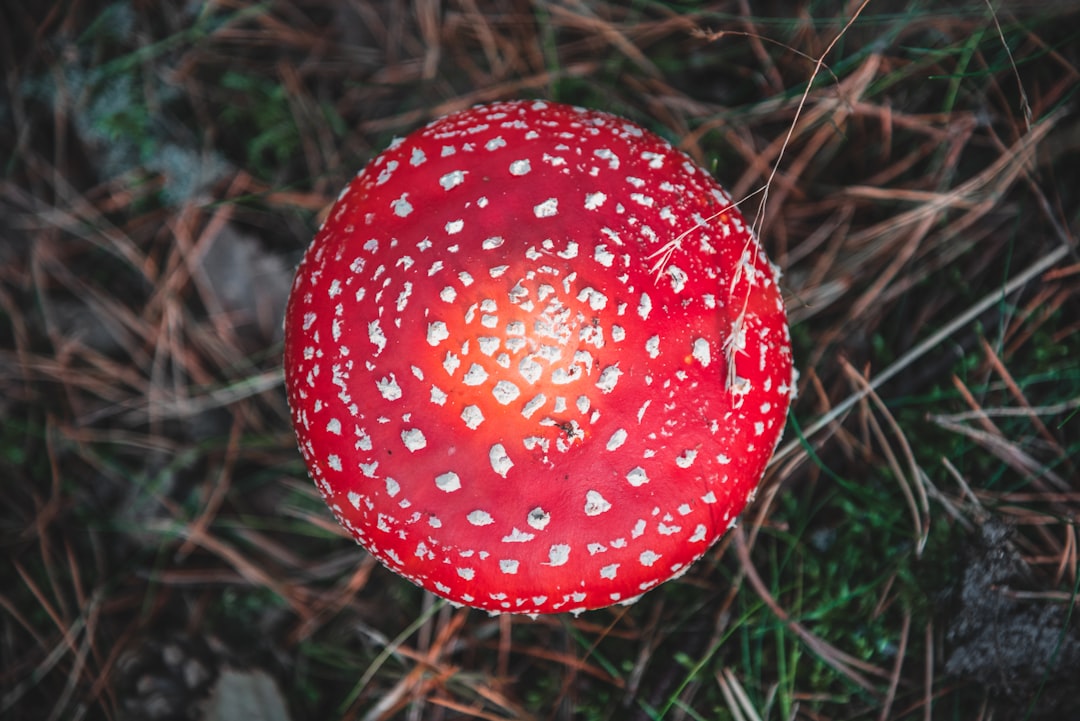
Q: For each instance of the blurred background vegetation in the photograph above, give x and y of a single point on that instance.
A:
(913, 552)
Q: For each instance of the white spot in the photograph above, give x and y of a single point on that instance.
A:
(701, 352)
(740, 387)
(417, 158)
(606, 154)
(609, 571)
(520, 167)
(475, 375)
(334, 461)
(594, 200)
(448, 482)
(609, 376)
(641, 411)
(495, 143)
(389, 387)
(472, 417)
(618, 333)
(403, 297)
(637, 477)
(595, 504)
(448, 294)
(519, 296)
(558, 554)
(530, 370)
(480, 518)
(597, 300)
(493, 242)
(375, 335)
(466, 573)
(437, 332)
(699, 533)
(517, 536)
(402, 207)
(603, 256)
(678, 278)
(617, 439)
(648, 558)
(534, 405)
(505, 392)
(539, 518)
(334, 426)
(413, 439)
(452, 179)
(656, 160)
(508, 566)
(644, 306)
(392, 487)
(500, 462)
(686, 459)
(547, 209)
(450, 363)
(652, 346)
(454, 227)
(387, 172)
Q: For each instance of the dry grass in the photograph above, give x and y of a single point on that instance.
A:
(164, 169)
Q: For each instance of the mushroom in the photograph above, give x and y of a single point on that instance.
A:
(536, 360)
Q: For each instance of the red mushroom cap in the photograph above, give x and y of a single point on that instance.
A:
(536, 359)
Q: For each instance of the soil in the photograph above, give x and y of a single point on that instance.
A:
(1026, 653)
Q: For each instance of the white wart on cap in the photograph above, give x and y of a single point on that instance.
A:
(536, 360)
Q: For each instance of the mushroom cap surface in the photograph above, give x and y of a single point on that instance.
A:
(536, 359)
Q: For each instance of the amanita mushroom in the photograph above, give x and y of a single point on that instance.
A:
(536, 359)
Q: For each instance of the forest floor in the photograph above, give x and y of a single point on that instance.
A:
(913, 552)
